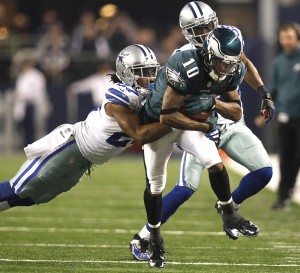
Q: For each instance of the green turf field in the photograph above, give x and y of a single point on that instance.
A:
(88, 229)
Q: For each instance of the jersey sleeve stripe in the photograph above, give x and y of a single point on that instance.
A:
(116, 99)
(118, 94)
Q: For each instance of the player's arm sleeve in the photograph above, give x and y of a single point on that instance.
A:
(252, 76)
(238, 78)
(130, 124)
(116, 96)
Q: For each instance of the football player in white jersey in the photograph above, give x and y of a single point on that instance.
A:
(197, 19)
(57, 161)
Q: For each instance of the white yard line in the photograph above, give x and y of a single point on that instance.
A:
(286, 248)
(139, 262)
(295, 234)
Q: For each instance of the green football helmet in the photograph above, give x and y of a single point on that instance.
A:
(222, 51)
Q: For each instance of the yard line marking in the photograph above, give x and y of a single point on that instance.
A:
(294, 248)
(130, 231)
(87, 220)
(289, 249)
(96, 230)
(63, 245)
(140, 262)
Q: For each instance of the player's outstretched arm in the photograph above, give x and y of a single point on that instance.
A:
(253, 78)
(130, 123)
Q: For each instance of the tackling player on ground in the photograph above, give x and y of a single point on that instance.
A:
(57, 162)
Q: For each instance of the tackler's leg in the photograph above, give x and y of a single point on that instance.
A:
(9, 199)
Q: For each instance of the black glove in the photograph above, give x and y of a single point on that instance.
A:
(197, 104)
(267, 109)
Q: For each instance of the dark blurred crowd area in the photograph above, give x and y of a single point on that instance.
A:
(71, 40)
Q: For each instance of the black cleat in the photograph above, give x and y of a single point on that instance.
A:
(139, 248)
(156, 249)
(234, 224)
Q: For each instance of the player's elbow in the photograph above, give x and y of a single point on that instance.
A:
(142, 137)
(237, 116)
(166, 120)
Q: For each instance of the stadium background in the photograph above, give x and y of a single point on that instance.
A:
(88, 228)
(258, 20)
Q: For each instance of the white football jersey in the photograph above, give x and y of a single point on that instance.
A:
(99, 137)
(221, 119)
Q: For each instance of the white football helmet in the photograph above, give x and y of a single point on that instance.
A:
(196, 20)
(221, 51)
(134, 62)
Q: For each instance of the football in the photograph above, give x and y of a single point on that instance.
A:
(201, 116)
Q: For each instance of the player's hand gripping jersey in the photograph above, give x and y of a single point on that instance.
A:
(185, 73)
(99, 137)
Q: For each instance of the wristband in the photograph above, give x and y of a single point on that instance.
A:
(262, 90)
(168, 111)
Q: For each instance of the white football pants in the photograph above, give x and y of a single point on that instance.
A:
(157, 154)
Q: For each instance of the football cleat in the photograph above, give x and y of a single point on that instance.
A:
(234, 224)
(156, 249)
(139, 248)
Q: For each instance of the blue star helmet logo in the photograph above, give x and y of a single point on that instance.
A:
(121, 57)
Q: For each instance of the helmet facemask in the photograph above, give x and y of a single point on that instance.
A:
(196, 20)
(197, 32)
(219, 68)
(144, 76)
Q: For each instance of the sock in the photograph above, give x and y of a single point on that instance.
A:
(227, 206)
(219, 182)
(171, 202)
(235, 205)
(251, 184)
(9, 199)
(153, 205)
(6, 193)
(145, 232)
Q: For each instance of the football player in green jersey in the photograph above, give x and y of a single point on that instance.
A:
(192, 79)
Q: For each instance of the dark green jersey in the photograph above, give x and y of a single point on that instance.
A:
(185, 73)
